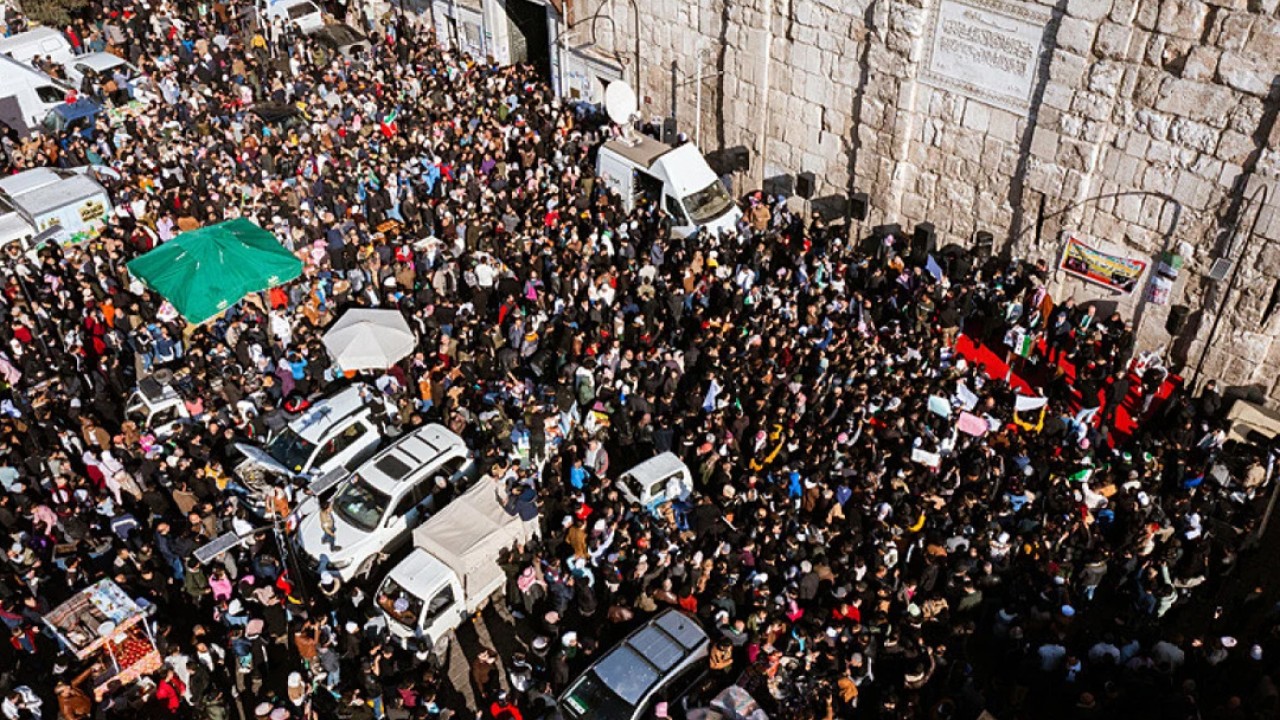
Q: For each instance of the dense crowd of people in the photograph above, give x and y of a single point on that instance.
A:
(874, 529)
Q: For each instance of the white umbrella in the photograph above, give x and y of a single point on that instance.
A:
(369, 339)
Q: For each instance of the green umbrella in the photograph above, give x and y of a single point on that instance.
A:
(203, 272)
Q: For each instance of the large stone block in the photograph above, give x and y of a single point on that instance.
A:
(1112, 41)
(1231, 173)
(1264, 37)
(1160, 152)
(1245, 116)
(1246, 74)
(1067, 68)
(1074, 155)
(1192, 191)
(1075, 35)
(977, 116)
(1143, 13)
(1153, 123)
(1105, 77)
(1201, 63)
(1003, 125)
(1192, 99)
(1190, 134)
(1092, 105)
(1234, 147)
(1091, 10)
(1057, 95)
(1231, 30)
(1182, 18)
(1044, 144)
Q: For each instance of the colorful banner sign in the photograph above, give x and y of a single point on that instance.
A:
(1113, 271)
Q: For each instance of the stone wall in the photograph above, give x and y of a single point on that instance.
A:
(1148, 126)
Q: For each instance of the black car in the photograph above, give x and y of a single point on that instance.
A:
(341, 40)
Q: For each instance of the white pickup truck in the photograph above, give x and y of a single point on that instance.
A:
(453, 568)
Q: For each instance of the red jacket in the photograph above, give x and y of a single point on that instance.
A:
(505, 711)
(170, 691)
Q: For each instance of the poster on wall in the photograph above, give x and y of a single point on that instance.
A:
(1114, 271)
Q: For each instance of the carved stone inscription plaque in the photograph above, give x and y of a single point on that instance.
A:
(987, 50)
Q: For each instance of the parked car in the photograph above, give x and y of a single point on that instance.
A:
(282, 116)
(67, 118)
(335, 433)
(106, 65)
(656, 481)
(341, 39)
(379, 505)
(156, 407)
(302, 14)
(657, 663)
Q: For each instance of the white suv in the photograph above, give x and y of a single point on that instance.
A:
(376, 508)
(336, 433)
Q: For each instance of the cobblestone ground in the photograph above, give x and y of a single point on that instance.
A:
(494, 628)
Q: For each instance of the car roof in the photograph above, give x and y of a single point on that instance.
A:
(662, 644)
(409, 457)
(32, 35)
(28, 180)
(656, 467)
(418, 569)
(275, 112)
(48, 196)
(99, 61)
(325, 414)
(83, 107)
(339, 34)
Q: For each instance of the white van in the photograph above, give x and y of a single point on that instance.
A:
(37, 42)
(641, 168)
(15, 226)
(27, 95)
(69, 199)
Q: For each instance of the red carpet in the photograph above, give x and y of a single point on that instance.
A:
(1030, 378)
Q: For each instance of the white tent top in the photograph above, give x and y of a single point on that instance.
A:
(366, 339)
(470, 532)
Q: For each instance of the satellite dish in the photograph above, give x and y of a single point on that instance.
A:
(620, 102)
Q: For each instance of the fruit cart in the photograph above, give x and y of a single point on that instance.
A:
(104, 625)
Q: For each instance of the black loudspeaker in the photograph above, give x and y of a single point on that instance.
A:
(859, 206)
(883, 231)
(669, 131)
(805, 184)
(1177, 320)
(983, 243)
(923, 242)
(739, 159)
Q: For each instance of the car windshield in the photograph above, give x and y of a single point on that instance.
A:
(53, 123)
(291, 450)
(591, 698)
(708, 203)
(360, 504)
(301, 10)
(343, 36)
(409, 608)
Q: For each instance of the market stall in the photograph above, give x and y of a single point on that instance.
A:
(102, 623)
